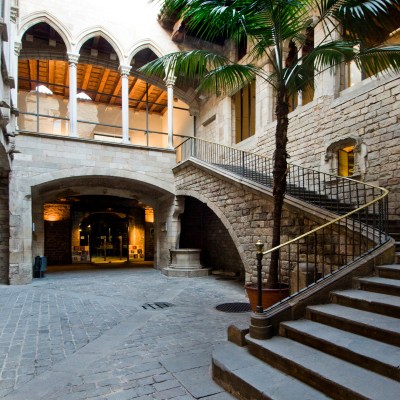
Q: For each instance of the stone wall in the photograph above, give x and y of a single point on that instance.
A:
(48, 167)
(4, 231)
(57, 228)
(368, 113)
(371, 114)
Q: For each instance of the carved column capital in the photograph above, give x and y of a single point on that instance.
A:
(17, 48)
(73, 58)
(14, 13)
(170, 81)
(124, 70)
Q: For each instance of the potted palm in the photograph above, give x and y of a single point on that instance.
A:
(278, 34)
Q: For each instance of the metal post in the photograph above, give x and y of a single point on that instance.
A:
(260, 326)
(259, 247)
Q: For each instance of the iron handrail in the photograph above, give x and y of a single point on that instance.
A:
(326, 248)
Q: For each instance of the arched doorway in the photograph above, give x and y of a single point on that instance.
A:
(201, 228)
(98, 229)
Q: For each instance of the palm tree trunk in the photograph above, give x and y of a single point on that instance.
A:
(279, 181)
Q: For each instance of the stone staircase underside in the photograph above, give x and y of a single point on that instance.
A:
(347, 349)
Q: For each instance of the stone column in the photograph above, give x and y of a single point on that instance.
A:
(167, 227)
(20, 204)
(14, 93)
(73, 104)
(170, 82)
(124, 70)
(14, 54)
(327, 83)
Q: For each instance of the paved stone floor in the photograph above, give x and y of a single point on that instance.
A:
(85, 335)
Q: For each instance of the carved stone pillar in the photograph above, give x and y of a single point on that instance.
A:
(170, 82)
(124, 70)
(73, 104)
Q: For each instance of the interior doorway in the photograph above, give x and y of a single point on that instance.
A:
(98, 229)
(106, 237)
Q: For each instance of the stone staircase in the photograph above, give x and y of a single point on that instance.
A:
(348, 349)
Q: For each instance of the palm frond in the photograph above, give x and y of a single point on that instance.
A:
(227, 79)
(329, 54)
(379, 59)
(207, 71)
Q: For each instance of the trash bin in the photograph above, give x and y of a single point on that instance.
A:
(40, 266)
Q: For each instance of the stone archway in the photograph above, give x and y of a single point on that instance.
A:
(202, 228)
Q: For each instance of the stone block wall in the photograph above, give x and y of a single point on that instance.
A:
(4, 231)
(57, 227)
(370, 113)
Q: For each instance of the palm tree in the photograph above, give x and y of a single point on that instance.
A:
(352, 30)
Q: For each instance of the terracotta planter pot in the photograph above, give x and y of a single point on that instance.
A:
(269, 296)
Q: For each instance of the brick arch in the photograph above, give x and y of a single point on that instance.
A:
(220, 214)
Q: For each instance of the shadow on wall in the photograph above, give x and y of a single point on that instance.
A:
(201, 228)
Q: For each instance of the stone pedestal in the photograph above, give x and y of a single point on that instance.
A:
(185, 263)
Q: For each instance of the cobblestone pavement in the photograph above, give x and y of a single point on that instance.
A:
(86, 335)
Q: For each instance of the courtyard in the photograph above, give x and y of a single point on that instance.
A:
(113, 332)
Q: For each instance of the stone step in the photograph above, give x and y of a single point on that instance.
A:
(388, 271)
(371, 354)
(248, 378)
(372, 325)
(368, 301)
(334, 377)
(379, 285)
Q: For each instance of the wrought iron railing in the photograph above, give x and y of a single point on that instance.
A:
(358, 213)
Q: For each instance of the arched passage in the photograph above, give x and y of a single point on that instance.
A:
(201, 228)
(99, 219)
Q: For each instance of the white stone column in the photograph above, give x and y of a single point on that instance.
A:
(124, 70)
(73, 104)
(14, 93)
(170, 82)
(327, 82)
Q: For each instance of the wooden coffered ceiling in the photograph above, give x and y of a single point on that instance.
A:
(100, 83)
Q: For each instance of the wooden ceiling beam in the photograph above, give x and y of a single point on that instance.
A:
(116, 91)
(33, 73)
(103, 82)
(133, 88)
(156, 100)
(51, 71)
(86, 78)
(150, 90)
